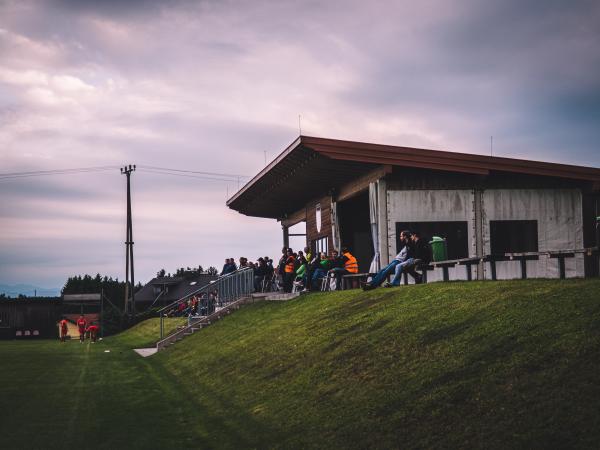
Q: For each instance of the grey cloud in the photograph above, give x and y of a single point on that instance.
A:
(236, 74)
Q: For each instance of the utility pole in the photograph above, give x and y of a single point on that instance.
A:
(129, 282)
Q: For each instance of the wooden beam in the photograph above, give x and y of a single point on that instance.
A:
(294, 218)
(352, 188)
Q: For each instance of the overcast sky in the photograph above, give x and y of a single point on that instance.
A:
(211, 86)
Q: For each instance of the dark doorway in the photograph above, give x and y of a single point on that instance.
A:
(455, 233)
(355, 229)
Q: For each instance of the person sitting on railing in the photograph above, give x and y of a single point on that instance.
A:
(404, 254)
(422, 256)
(349, 265)
(319, 267)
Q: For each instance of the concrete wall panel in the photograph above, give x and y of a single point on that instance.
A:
(431, 206)
(560, 226)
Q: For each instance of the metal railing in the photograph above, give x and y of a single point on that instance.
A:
(213, 296)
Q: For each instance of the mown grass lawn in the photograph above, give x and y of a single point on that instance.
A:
(452, 365)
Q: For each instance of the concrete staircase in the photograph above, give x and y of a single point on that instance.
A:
(198, 324)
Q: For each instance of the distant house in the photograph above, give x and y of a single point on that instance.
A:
(165, 290)
(362, 195)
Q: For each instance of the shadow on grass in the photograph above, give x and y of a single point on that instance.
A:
(231, 429)
(441, 333)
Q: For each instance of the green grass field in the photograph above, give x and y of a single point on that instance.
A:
(446, 365)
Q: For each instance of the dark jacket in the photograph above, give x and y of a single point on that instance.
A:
(422, 251)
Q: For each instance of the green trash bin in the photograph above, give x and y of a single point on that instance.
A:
(438, 248)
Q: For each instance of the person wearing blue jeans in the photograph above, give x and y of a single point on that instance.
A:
(399, 270)
(399, 259)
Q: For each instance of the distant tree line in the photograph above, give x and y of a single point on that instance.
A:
(23, 296)
(114, 290)
(188, 272)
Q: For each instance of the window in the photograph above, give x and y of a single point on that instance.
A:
(455, 233)
(321, 245)
(513, 236)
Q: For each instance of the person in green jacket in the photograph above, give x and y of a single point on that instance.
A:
(301, 271)
(319, 269)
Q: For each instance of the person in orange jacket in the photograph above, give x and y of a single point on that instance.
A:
(350, 267)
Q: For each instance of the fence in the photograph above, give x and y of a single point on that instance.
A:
(521, 258)
(213, 296)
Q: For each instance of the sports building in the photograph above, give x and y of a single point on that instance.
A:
(362, 195)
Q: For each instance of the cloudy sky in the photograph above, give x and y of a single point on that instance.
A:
(217, 86)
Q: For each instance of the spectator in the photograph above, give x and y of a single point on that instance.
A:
(308, 254)
(301, 271)
(336, 261)
(225, 269)
(261, 272)
(349, 266)
(404, 254)
(320, 268)
(422, 256)
(289, 271)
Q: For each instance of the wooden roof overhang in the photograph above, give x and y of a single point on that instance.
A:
(310, 167)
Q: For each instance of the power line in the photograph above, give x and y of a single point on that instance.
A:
(230, 175)
(38, 173)
(207, 176)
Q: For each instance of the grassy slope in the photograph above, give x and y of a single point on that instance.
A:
(506, 364)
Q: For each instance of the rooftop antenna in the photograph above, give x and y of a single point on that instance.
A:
(299, 124)
(265, 152)
(491, 145)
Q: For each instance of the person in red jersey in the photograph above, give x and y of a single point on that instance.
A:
(63, 330)
(93, 329)
(81, 324)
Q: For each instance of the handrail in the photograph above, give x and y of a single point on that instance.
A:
(201, 289)
(229, 287)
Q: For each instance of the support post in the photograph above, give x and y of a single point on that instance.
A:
(446, 273)
(561, 267)
(523, 268)
(382, 219)
(286, 236)
(129, 282)
(478, 231)
(493, 268)
(102, 313)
